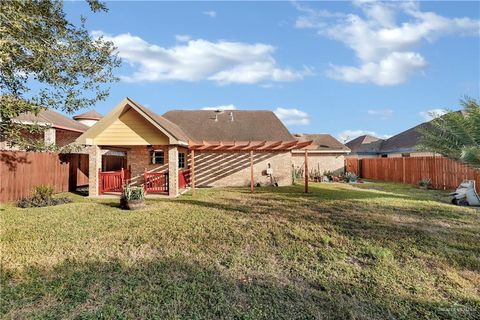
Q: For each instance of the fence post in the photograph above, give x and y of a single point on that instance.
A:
(404, 169)
(122, 177)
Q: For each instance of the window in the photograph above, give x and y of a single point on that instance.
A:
(181, 160)
(405, 155)
(384, 155)
(158, 157)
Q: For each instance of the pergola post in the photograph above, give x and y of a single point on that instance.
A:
(251, 171)
(192, 170)
(306, 171)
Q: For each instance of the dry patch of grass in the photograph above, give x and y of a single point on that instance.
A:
(372, 251)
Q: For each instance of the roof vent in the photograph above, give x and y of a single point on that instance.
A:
(217, 112)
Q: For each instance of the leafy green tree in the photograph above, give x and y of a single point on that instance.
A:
(48, 62)
(456, 135)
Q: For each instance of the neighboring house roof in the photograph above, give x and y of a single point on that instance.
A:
(322, 143)
(365, 144)
(406, 141)
(52, 118)
(247, 125)
(89, 115)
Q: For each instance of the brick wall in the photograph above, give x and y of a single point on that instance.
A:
(220, 169)
(320, 162)
(138, 158)
(64, 137)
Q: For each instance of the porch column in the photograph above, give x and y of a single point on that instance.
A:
(172, 171)
(94, 164)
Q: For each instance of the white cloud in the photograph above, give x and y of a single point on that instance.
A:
(384, 46)
(382, 114)
(432, 114)
(292, 116)
(182, 37)
(392, 70)
(193, 60)
(221, 107)
(348, 135)
(211, 13)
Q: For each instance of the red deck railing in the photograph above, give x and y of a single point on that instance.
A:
(155, 182)
(183, 178)
(112, 181)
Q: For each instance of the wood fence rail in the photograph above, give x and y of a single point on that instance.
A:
(444, 173)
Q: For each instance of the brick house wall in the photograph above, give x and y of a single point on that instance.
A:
(139, 158)
(222, 169)
(320, 162)
(65, 137)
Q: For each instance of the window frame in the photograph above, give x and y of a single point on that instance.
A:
(153, 157)
(184, 156)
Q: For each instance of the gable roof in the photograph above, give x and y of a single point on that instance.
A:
(322, 142)
(247, 125)
(171, 130)
(365, 144)
(52, 118)
(406, 141)
(89, 115)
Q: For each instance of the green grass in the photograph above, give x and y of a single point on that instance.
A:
(370, 251)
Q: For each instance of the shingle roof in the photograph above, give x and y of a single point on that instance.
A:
(406, 141)
(53, 119)
(365, 144)
(247, 125)
(89, 115)
(322, 141)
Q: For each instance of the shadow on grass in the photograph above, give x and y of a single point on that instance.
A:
(179, 288)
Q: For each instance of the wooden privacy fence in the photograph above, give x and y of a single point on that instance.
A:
(21, 171)
(444, 173)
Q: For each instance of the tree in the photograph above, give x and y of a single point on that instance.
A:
(456, 135)
(47, 62)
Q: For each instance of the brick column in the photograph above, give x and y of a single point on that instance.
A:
(94, 163)
(172, 171)
(49, 136)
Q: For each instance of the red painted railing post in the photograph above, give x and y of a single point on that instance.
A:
(122, 177)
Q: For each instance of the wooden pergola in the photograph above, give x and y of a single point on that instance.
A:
(246, 146)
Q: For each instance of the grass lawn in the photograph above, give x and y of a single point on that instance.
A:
(370, 251)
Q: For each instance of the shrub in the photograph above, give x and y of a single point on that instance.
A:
(42, 196)
(425, 183)
(351, 177)
(133, 193)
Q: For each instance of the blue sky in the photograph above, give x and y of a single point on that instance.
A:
(325, 67)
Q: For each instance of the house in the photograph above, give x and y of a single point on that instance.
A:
(324, 154)
(404, 144)
(60, 131)
(204, 148)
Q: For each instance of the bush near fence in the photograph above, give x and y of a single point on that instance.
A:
(444, 173)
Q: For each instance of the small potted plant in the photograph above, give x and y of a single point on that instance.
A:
(133, 198)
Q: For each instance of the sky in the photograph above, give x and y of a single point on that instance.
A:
(344, 68)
